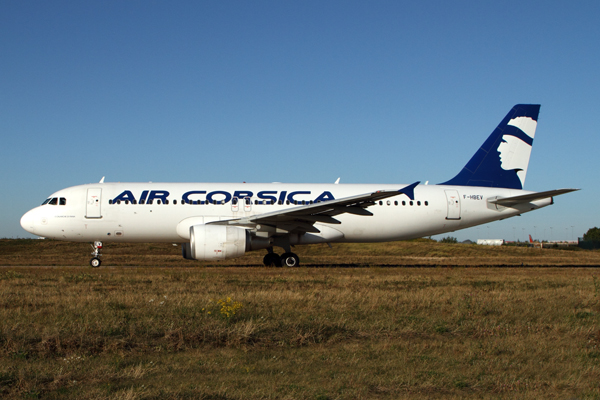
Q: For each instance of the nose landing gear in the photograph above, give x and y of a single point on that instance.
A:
(95, 261)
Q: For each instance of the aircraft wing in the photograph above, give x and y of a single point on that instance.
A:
(526, 198)
(301, 219)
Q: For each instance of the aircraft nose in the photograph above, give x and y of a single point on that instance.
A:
(28, 222)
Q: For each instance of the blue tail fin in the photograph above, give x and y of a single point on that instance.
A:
(503, 158)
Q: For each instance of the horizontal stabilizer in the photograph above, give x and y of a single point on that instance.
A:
(526, 198)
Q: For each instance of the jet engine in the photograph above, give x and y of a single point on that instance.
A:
(217, 242)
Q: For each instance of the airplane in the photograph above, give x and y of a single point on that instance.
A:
(214, 221)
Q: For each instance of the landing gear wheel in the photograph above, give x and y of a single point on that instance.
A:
(290, 260)
(95, 262)
(272, 259)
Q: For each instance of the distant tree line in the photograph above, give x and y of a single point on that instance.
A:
(449, 239)
(591, 239)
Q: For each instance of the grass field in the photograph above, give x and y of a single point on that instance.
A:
(31, 252)
(233, 332)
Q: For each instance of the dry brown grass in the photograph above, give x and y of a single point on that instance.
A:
(24, 252)
(312, 333)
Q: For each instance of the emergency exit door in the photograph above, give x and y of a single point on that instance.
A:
(93, 203)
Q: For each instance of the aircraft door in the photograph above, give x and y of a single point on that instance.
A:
(93, 203)
(453, 204)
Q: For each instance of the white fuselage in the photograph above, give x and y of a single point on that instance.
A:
(88, 214)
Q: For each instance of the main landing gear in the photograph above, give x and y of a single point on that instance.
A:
(287, 259)
(95, 262)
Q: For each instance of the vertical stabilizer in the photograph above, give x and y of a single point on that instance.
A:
(503, 158)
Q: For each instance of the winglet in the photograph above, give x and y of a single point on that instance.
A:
(410, 190)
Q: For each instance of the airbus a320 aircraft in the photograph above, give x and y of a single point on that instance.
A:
(214, 221)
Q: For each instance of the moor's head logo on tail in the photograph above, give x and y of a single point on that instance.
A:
(503, 159)
(515, 146)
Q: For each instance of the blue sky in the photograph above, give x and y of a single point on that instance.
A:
(262, 91)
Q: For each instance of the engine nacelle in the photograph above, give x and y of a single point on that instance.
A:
(217, 242)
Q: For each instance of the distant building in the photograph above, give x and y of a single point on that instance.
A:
(491, 242)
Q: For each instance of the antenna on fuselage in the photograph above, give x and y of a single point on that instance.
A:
(102, 180)
(337, 181)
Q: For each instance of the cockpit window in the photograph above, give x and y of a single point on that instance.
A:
(56, 201)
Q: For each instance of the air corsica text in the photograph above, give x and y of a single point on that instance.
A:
(222, 196)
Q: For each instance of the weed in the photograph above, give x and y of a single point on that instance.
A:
(82, 277)
(441, 328)
(583, 314)
(10, 275)
(461, 384)
(229, 308)
(7, 379)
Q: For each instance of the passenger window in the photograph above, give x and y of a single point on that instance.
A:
(395, 203)
(411, 203)
(389, 202)
(418, 203)
(426, 203)
(403, 203)
(380, 202)
(110, 201)
(174, 201)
